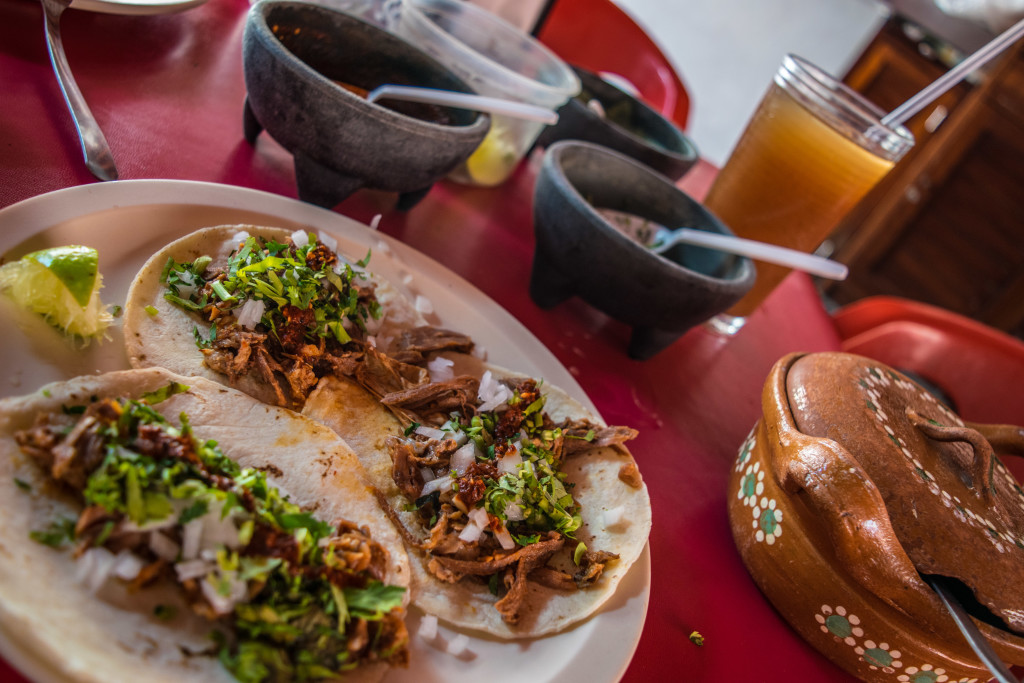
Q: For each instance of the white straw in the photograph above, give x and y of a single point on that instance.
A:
(930, 93)
(461, 100)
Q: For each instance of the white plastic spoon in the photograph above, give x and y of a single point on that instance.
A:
(461, 100)
(664, 239)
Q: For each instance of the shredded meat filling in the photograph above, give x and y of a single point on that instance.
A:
(577, 431)
(413, 346)
(432, 402)
(592, 566)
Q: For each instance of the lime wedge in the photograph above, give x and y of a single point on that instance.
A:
(62, 284)
(76, 267)
(494, 159)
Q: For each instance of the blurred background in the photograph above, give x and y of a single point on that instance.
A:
(944, 226)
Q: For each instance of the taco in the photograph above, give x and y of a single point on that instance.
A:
(521, 511)
(163, 528)
(270, 312)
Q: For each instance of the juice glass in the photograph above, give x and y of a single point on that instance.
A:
(810, 152)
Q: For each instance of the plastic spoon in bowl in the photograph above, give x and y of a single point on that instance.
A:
(664, 239)
(461, 100)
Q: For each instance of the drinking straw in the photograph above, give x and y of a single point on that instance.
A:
(929, 94)
(493, 105)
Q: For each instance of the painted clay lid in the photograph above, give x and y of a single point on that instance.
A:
(956, 509)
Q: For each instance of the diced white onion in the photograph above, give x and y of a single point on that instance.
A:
(427, 474)
(477, 524)
(479, 351)
(240, 236)
(423, 305)
(407, 279)
(192, 569)
(504, 538)
(614, 516)
(471, 533)
(513, 512)
(458, 645)
(223, 604)
(509, 464)
(478, 516)
(217, 531)
(163, 547)
(94, 567)
(440, 369)
(463, 458)
(375, 222)
(436, 485)
(191, 536)
(428, 627)
(327, 240)
(300, 238)
(492, 393)
(383, 247)
(250, 313)
(187, 286)
(430, 432)
(372, 341)
(127, 565)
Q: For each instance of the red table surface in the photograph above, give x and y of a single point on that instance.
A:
(168, 92)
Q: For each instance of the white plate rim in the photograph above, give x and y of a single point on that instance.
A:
(23, 220)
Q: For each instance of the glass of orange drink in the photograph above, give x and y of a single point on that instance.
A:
(811, 151)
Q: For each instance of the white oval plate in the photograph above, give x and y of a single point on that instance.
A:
(127, 221)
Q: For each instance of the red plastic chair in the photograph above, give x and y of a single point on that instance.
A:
(980, 368)
(599, 36)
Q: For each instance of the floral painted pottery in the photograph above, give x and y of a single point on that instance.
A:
(854, 484)
(581, 252)
(307, 70)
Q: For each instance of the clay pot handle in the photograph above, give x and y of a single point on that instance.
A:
(1008, 439)
(981, 466)
(849, 506)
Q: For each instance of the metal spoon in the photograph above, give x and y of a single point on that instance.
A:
(98, 158)
(974, 637)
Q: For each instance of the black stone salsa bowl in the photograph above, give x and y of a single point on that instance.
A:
(307, 70)
(580, 251)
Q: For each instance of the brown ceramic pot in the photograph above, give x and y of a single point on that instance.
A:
(854, 482)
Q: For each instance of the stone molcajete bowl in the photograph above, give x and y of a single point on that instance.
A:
(295, 55)
(580, 251)
(855, 487)
(627, 125)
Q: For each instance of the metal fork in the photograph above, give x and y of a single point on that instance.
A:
(98, 158)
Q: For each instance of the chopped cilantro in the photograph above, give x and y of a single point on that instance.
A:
(152, 311)
(697, 639)
(194, 511)
(577, 555)
(373, 601)
(164, 612)
(205, 342)
(23, 485)
(290, 612)
(279, 275)
(164, 393)
(104, 534)
(411, 428)
(56, 534)
(116, 311)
